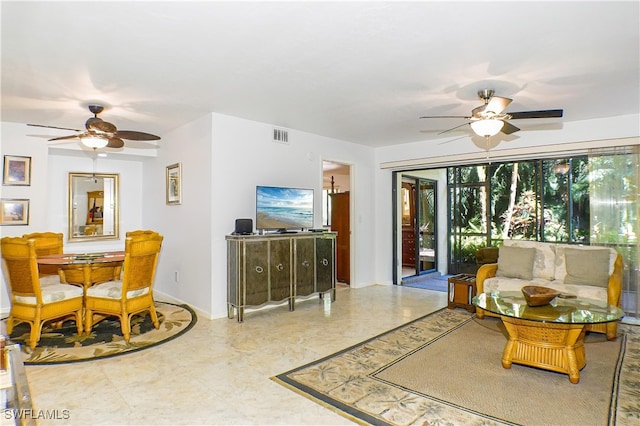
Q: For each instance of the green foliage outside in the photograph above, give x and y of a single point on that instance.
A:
(543, 200)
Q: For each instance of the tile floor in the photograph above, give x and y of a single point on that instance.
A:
(219, 372)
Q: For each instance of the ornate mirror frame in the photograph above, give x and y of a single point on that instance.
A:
(93, 212)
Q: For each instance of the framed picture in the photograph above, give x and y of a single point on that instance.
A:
(174, 184)
(17, 170)
(14, 212)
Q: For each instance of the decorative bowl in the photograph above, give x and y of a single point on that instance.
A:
(539, 296)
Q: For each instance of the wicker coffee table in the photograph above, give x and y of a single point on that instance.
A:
(550, 337)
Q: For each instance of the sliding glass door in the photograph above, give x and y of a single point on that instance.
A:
(427, 225)
(468, 216)
(419, 225)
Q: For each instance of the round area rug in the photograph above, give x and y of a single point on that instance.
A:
(64, 345)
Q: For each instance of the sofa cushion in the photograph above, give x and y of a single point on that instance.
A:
(586, 292)
(516, 262)
(544, 262)
(561, 263)
(499, 284)
(587, 267)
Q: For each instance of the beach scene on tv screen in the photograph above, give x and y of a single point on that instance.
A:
(284, 208)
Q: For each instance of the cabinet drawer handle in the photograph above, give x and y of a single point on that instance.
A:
(324, 262)
(259, 269)
(279, 267)
(305, 263)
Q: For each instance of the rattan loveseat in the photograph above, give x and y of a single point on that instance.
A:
(590, 272)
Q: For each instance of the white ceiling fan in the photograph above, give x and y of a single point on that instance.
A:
(490, 118)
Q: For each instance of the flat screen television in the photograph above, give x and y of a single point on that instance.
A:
(283, 209)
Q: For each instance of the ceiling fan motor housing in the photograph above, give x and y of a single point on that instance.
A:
(486, 94)
(96, 109)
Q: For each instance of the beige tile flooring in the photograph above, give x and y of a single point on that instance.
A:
(219, 372)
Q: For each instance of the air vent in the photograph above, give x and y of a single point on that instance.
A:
(281, 136)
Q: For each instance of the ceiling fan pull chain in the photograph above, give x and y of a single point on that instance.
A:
(95, 162)
(486, 138)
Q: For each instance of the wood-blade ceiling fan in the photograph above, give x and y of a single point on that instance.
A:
(490, 119)
(100, 133)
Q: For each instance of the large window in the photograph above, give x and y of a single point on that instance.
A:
(544, 200)
(578, 200)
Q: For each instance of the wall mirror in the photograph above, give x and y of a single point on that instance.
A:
(93, 206)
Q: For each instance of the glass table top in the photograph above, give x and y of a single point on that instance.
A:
(565, 311)
(81, 258)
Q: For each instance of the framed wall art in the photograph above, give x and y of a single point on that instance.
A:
(17, 170)
(14, 212)
(174, 184)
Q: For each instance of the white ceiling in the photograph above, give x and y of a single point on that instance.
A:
(357, 71)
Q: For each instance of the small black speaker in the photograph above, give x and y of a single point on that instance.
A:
(244, 226)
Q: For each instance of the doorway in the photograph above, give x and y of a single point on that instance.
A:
(419, 225)
(336, 213)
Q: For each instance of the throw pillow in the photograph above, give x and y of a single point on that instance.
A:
(516, 262)
(544, 262)
(587, 267)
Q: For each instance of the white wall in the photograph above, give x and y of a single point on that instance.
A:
(244, 156)
(186, 249)
(15, 142)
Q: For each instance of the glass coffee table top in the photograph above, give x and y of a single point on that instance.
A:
(560, 310)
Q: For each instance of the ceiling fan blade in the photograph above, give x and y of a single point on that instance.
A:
(136, 136)
(53, 127)
(453, 140)
(453, 128)
(478, 111)
(508, 128)
(115, 143)
(446, 116)
(98, 124)
(548, 113)
(61, 138)
(497, 104)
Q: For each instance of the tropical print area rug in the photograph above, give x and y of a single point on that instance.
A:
(445, 368)
(64, 345)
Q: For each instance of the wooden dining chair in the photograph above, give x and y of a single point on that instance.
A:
(139, 232)
(47, 243)
(133, 294)
(30, 301)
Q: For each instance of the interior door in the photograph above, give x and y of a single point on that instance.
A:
(340, 224)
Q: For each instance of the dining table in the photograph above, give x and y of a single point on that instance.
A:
(86, 269)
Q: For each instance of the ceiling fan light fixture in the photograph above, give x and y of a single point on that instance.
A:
(94, 141)
(487, 127)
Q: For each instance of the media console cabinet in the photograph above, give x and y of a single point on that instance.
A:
(274, 268)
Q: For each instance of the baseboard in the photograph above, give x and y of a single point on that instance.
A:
(167, 298)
